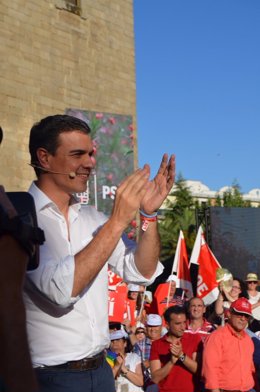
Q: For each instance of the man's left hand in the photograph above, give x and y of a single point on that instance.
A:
(160, 186)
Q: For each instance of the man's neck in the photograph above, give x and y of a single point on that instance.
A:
(172, 338)
(238, 333)
(60, 198)
(196, 323)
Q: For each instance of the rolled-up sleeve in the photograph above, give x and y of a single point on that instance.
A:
(55, 280)
(122, 262)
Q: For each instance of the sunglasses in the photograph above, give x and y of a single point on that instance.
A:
(237, 314)
(138, 332)
(253, 281)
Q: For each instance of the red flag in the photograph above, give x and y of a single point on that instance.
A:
(181, 267)
(131, 310)
(159, 303)
(113, 280)
(117, 304)
(207, 286)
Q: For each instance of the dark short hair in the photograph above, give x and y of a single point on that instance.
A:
(173, 310)
(45, 134)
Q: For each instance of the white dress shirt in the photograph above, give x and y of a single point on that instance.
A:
(62, 328)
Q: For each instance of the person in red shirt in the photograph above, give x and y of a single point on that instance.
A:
(174, 359)
(228, 352)
(196, 323)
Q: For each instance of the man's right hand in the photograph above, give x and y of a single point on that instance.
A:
(129, 195)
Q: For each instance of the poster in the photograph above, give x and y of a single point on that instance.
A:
(112, 136)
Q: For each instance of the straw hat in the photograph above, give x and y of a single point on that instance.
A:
(252, 277)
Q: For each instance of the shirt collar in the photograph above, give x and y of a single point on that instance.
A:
(241, 335)
(42, 201)
(205, 322)
(166, 336)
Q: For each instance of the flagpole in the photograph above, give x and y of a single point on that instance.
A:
(168, 296)
(142, 306)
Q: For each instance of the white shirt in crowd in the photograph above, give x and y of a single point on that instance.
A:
(122, 383)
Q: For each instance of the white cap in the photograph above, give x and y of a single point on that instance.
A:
(119, 334)
(133, 287)
(172, 278)
(148, 295)
(140, 325)
(154, 320)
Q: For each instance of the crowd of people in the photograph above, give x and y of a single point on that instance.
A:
(183, 351)
(68, 341)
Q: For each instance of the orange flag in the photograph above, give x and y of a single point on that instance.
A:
(207, 286)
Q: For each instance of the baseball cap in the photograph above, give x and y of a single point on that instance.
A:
(140, 325)
(242, 305)
(120, 334)
(154, 320)
(133, 287)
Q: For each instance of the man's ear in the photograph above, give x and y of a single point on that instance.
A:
(43, 157)
(228, 313)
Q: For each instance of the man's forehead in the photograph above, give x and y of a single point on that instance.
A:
(178, 317)
(74, 133)
(196, 301)
(78, 139)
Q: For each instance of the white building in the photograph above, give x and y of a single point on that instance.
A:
(202, 193)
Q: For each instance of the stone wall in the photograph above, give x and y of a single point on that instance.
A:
(53, 59)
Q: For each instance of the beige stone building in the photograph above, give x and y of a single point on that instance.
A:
(59, 54)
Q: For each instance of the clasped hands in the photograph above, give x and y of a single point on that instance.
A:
(120, 364)
(176, 351)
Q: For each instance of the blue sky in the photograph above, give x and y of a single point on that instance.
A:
(198, 88)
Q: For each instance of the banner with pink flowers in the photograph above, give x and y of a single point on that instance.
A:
(112, 136)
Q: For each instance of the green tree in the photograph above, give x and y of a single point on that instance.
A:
(218, 202)
(233, 197)
(178, 215)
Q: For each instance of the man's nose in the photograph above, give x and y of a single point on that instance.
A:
(89, 161)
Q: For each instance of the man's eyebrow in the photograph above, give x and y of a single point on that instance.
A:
(80, 151)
